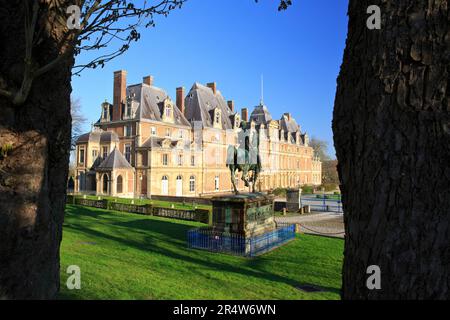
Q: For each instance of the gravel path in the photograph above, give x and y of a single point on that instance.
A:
(329, 224)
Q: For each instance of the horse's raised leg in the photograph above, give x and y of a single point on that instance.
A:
(255, 178)
(233, 180)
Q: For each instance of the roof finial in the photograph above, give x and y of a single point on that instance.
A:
(262, 90)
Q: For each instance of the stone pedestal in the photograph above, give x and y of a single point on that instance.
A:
(293, 199)
(248, 214)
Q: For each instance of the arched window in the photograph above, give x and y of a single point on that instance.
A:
(192, 184)
(105, 183)
(179, 186)
(165, 185)
(119, 186)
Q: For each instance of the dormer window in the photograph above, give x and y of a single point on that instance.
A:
(237, 121)
(128, 109)
(167, 111)
(217, 118)
(105, 112)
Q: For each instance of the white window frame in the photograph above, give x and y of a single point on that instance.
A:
(105, 154)
(126, 133)
(125, 152)
(81, 159)
(165, 159)
(192, 184)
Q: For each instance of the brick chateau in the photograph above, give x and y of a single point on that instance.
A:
(147, 144)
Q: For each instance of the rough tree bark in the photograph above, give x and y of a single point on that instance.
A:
(33, 174)
(392, 137)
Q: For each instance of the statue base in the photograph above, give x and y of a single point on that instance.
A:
(247, 214)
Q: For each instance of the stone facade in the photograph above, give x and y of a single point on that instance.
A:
(180, 148)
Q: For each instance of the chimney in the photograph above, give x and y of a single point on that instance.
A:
(119, 93)
(213, 86)
(148, 80)
(231, 105)
(180, 99)
(244, 114)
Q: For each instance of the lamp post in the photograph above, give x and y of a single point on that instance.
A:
(323, 195)
(140, 188)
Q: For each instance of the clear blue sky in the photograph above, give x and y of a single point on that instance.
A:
(233, 42)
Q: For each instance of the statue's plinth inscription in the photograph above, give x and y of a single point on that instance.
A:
(247, 214)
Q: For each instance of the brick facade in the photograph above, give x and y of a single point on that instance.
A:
(180, 149)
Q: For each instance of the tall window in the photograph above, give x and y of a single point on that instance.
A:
(165, 185)
(105, 183)
(192, 184)
(192, 160)
(165, 159)
(104, 152)
(128, 130)
(128, 110)
(180, 159)
(180, 134)
(128, 152)
(94, 154)
(216, 183)
(153, 131)
(119, 186)
(168, 133)
(105, 112)
(168, 112)
(81, 156)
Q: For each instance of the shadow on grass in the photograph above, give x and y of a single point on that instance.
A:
(170, 231)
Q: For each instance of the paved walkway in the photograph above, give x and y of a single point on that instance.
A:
(324, 223)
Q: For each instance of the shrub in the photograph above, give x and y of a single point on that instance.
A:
(328, 187)
(279, 192)
(307, 189)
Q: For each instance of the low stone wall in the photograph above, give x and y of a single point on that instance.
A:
(188, 200)
(199, 215)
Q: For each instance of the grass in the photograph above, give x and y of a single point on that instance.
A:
(126, 256)
(156, 203)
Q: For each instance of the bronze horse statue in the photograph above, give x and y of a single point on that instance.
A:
(245, 160)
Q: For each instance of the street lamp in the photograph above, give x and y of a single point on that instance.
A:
(323, 195)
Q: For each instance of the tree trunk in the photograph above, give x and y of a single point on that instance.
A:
(392, 137)
(33, 174)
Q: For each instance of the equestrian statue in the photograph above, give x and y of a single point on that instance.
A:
(245, 160)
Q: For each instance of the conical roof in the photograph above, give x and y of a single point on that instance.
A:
(115, 160)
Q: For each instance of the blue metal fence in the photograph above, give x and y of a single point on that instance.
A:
(322, 203)
(237, 244)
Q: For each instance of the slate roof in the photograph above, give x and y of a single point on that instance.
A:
(199, 103)
(150, 100)
(289, 125)
(261, 114)
(156, 142)
(115, 160)
(98, 136)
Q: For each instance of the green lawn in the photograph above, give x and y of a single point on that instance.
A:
(127, 256)
(156, 203)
